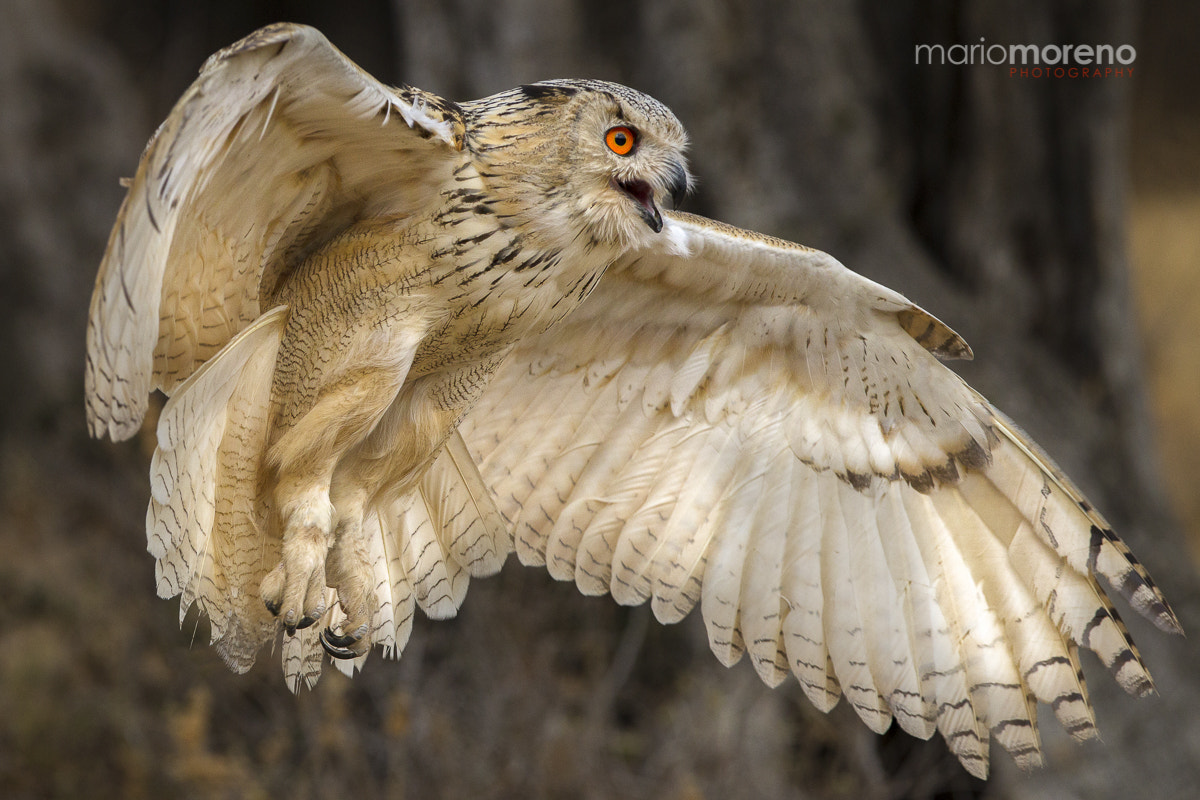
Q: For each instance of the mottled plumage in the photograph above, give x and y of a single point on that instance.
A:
(403, 337)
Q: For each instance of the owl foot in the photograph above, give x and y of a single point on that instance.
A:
(295, 590)
(350, 572)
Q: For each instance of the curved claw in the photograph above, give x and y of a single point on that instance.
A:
(340, 640)
(307, 621)
(338, 645)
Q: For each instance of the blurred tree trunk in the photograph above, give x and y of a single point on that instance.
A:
(995, 202)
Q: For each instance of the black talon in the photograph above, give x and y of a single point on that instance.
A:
(335, 644)
(341, 640)
(306, 621)
(272, 606)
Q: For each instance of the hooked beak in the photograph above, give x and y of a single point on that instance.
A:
(643, 194)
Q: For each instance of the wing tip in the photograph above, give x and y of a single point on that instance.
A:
(278, 33)
(1107, 554)
(1148, 600)
(934, 335)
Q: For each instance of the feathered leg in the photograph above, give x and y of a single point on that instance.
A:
(305, 459)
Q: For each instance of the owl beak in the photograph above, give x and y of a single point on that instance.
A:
(643, 195)
(678, 183)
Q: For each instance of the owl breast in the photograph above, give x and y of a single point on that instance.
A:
(460, 283)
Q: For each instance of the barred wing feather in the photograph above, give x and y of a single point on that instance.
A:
(741, 423)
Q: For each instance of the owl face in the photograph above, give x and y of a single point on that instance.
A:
(583, 160)
(628, 155)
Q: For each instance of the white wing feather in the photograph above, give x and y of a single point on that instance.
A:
(737, 421)
(319, 140)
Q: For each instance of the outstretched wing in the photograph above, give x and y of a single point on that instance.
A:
(279, 144)
(743, 423)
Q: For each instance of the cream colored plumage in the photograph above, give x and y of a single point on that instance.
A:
(403, 337)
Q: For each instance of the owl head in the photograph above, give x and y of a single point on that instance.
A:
(586, 158)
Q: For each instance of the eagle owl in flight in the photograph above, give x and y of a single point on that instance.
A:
(403, 337)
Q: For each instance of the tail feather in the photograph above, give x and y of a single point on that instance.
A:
(397, 602)
(468, 522)
(438, 582)
(426, 545)
(303, 656)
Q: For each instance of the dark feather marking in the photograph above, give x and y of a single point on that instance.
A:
(542, 92)
(1095, 544)
(1079, 727)
(945, 473)
(150, 214)
(1046, 662)
(1123, 658)
(974, 456)
(1097, 618)
(860, 481)
(1072, 697)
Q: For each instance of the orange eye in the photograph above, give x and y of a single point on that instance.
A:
(620, 140)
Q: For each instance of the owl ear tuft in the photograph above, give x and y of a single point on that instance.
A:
(548, 92)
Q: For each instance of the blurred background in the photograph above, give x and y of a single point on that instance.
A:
(1054, 222)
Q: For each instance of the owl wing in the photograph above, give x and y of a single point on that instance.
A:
(740, 422)
(279, 144)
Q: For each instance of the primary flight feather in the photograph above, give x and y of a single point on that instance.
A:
(403, 337)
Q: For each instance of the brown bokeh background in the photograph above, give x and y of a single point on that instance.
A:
(1011, 208)
(1164, 231)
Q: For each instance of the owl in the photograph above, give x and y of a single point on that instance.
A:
(403, 337)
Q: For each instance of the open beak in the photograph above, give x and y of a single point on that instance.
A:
(643, 194)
